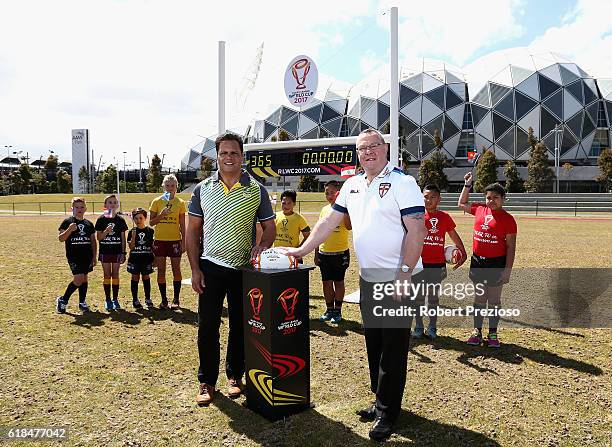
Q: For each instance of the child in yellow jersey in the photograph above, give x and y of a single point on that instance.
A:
(167, 215)
(290, 224)
(333, 258)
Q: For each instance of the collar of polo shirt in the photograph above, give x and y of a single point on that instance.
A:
(244, 180)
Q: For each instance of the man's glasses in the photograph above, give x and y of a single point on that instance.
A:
(371, 147)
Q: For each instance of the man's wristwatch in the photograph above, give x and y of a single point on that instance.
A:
(406, 268)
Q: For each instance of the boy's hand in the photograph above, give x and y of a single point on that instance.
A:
(468, 178)
(165, 211)
(72, 227)
(460, 261)
(109, 229)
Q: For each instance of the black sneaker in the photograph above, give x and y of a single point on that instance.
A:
(136, 304)
(60, 306)
(381, 429)
(368, 413)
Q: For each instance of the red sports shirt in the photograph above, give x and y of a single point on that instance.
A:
(490, 230)
(438, 224)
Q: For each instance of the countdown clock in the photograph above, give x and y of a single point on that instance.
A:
(327, 160)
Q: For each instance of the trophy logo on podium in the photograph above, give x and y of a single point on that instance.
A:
(300, 70)
(288, 300)
(256, 298)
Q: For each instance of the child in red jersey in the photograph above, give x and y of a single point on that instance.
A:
(438, 224)
(493, 254)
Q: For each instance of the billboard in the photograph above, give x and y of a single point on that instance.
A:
(80, 158)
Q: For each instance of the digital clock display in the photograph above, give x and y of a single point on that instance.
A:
(301, 161)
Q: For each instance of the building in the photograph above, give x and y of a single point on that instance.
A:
(542, 91)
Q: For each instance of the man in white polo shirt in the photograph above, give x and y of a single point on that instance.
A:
(387, 213)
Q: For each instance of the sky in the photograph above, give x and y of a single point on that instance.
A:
(140, 73)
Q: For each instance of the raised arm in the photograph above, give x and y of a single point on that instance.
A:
(464, 198)
(65, 234)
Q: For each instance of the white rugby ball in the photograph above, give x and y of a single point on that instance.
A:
(452, 254)
(273, 258)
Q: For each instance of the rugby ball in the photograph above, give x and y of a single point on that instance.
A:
(273, 258)
(452, 254)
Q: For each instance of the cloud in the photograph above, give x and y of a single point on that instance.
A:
(455, 31)
(585, 37)
(144, 73)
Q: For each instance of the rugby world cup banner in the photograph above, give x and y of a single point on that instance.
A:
(301, 81)
(277, 344)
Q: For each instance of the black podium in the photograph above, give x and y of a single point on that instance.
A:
(276, 341)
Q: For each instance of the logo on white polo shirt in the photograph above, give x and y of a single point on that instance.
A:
(383, 188)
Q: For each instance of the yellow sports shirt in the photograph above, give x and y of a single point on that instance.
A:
(338, 240)
(288, 229)
(168, 228)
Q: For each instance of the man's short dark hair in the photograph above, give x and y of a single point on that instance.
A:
(229, 136)
(334, 184)
(432, 187)
(497, 188)
(290, 193)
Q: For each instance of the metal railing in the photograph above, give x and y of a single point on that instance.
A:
(536, 207)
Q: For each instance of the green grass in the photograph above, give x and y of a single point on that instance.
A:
(129, 378)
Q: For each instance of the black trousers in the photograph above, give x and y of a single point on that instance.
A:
(220, 281)
(387, 349)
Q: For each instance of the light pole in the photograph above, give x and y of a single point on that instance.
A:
(161, 167)
(8, 149)
(557, 155)
(124, 180)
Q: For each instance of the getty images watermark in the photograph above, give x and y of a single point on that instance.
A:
(534, 297)
(412, 291)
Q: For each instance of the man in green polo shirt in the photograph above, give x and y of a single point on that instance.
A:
(220, 238)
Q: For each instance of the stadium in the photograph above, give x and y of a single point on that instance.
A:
(490, 104)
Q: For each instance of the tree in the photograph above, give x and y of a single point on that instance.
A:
(154, 176)
(51, 167)
(539, 174)
(5, 185)
(431, 170)
(64, 182)
(107, 180)
(26, 174)
(486, 170)
(16, 182)
(283, 135)
(604, 161)
(567, 169)
(39, 183)
(206, 167)
(513, 178)
(84, 179)
(308, 183)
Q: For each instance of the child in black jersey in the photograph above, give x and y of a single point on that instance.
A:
(78, 234)
(110, 232)
(140, 262)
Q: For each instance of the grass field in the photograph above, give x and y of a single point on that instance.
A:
(129, 379)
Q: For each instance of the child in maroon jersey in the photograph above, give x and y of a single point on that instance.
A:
(438, 224)
(493, 254)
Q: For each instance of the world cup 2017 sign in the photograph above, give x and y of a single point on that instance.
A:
(301, 80)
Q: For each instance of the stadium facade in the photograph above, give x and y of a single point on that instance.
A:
(536, 91)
